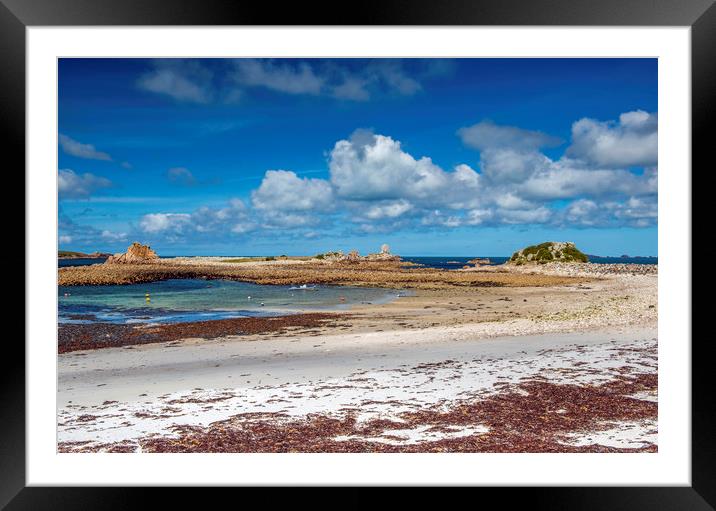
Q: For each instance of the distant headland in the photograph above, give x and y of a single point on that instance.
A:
(68, 254)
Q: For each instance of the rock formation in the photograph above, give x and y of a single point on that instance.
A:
(383, 255)
(550, 251)
(354, 256)
(135, 254)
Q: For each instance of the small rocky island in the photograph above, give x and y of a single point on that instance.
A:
(550, 251)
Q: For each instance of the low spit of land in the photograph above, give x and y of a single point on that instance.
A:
(534, 358)
(390, 274)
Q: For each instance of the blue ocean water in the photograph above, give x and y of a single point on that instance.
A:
(181, 300)
(80, 261)
(448, 263)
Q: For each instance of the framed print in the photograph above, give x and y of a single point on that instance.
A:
(432, 246)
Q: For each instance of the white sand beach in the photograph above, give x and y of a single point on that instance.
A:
(146, 390)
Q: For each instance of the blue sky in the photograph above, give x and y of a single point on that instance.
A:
(294, 156)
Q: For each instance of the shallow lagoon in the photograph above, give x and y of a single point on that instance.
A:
(198, 299)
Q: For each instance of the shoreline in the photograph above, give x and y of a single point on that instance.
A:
(609, 300)
(454, 368)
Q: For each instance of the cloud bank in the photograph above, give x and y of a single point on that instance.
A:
(607, 177)
(228, 81)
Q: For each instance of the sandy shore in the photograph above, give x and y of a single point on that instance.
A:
(116, 398)
(494, 369)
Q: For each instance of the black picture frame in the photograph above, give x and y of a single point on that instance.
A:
(700, 15)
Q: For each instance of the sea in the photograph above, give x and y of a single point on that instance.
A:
(181, 300)
(80, 261)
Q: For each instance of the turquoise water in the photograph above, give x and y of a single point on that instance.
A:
(197, 299)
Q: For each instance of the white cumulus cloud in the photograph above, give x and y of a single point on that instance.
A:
(390, 209)
(283, 190)
(632, 141)
(374, 167)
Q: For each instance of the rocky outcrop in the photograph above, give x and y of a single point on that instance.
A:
(550, 251)
(479, 261)
(331, 256)
(383, 255)
(135, 254)
(354, 256)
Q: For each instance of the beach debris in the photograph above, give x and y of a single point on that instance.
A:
(87, 336)
(529, 416)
